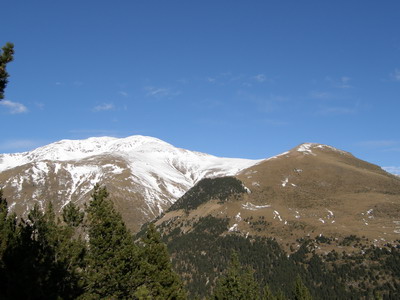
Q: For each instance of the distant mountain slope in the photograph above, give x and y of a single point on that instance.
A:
(328, 191)
(310, 190)
(143, 174)
(315, 211)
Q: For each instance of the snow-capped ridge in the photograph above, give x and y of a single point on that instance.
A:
(306, 148)
(65, 150)
(161, 172)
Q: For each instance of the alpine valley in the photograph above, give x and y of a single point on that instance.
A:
(315, 210)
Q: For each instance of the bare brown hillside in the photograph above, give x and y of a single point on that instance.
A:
(310, 190)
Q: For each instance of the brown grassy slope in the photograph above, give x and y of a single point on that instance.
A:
(320, 191)
(329, 191)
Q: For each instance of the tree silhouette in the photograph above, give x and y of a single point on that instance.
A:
(6, 56)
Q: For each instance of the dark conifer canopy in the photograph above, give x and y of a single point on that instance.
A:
(6, 56)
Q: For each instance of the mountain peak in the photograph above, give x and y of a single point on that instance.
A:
(307, 148)
(65, 150)
(145, 174)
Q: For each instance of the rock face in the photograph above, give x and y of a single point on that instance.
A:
(144, 175)
(311, 190)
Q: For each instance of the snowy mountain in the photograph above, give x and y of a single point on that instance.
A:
(144, 175)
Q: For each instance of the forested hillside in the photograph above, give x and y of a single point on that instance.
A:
(216, 217)
(202, 254)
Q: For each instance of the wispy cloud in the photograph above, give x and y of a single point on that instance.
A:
(395, 75)
(123, 94)
(14, 107)
(104, 107)
(392, 169)
(20, 145)
(342, 82)
(320, 95)
(224, 78)
(156, 92)
(260, 78)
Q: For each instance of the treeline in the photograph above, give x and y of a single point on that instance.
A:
(221, 188)
(86, 254)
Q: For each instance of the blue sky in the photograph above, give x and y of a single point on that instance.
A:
(244, 79)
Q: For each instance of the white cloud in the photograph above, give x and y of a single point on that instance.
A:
(124, 94)
(392, 169)
(104, 107)
(260, 78)
(395, 75)
(160, 92)
(14, 107)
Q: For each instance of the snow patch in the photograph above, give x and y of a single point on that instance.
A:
(238, 217)
(306, 149)
(277, 215)
(251, 206)
(233, 228)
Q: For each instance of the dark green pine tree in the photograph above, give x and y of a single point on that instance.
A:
(237, 283)
(8, 238)
(158, 280)
(301, 292)
(112, 265)
(72, 216)
(41, 263)
(8, 227)
(6, 56)
(267, 293)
